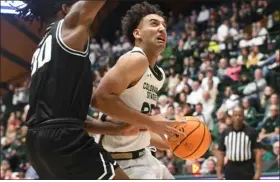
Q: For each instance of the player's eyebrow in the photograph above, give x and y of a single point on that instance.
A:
(164, 23)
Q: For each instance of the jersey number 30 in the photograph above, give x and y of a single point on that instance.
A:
(42, 55)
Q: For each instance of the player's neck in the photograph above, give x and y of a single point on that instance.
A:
(54, 19)
(151, 54)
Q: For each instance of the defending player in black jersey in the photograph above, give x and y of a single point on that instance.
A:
(57, 143)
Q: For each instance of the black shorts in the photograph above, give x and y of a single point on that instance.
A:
(66, 151)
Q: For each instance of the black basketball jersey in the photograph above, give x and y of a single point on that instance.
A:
(61, 80)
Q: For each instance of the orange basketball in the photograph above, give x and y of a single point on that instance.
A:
(195, 143)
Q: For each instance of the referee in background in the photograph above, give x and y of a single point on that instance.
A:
(239, 144)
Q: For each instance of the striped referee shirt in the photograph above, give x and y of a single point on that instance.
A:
(239, 145)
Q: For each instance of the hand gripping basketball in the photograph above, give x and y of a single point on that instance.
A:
(196, 141)
(163, 126)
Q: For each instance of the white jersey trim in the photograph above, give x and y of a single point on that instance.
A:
(138, 49)
(113, 171)
(67, 48)
(104, 167)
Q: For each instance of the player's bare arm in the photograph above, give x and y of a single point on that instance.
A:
(126, 73)
(94, 126)
(75, 28)
(158, 142)
(106, 128)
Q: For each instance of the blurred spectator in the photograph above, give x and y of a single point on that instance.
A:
(173, 79)
(21, 96)
(203, 15)
(256, 40)
(170, 114)
(191, 42)
(174, 66)
(210, 75)
(8, 103)
(261, 31)
(210, 168)
(223, 30)
(206, 63)
(185, 81)
(193, 17)
(213, 91)
(233, 72)
(264, 100)
(246, 41)
(257, 86)
(162, 103)
(270, 63)
(271, 155)
(254, 57)
(270, 128)
(233, 31)
(219, 126)
(172, 39)
(190, 67)
(208, 104)
(199, 112)
(243, 57)
(273, 100)
(261, 6)
(271, 158)
(196, 93)
(230, 100)
(222, 68)
(249, 113)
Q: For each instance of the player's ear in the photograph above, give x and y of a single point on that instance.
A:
(65, 9)
(136, 34)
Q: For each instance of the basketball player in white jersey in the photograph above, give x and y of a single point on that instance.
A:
(128, 93)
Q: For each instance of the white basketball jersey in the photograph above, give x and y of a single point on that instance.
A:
(141, 97)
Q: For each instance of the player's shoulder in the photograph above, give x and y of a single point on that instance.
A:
(52, 28)
(134, 59)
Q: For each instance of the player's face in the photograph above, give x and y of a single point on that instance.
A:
(152, 30)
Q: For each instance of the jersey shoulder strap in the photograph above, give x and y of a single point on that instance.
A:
(139, 50)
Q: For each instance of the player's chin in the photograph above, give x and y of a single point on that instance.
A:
(161, 45)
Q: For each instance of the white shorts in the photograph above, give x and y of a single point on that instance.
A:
(145, 167)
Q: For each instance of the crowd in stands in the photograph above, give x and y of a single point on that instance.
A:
(212, 65)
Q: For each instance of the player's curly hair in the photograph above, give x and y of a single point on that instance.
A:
(41, 10)
(135, 14)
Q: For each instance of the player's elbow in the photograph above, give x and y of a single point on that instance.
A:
(83, 13)
(88, 10)
(99, 99)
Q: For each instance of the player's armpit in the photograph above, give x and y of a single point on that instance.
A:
(75, 28)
